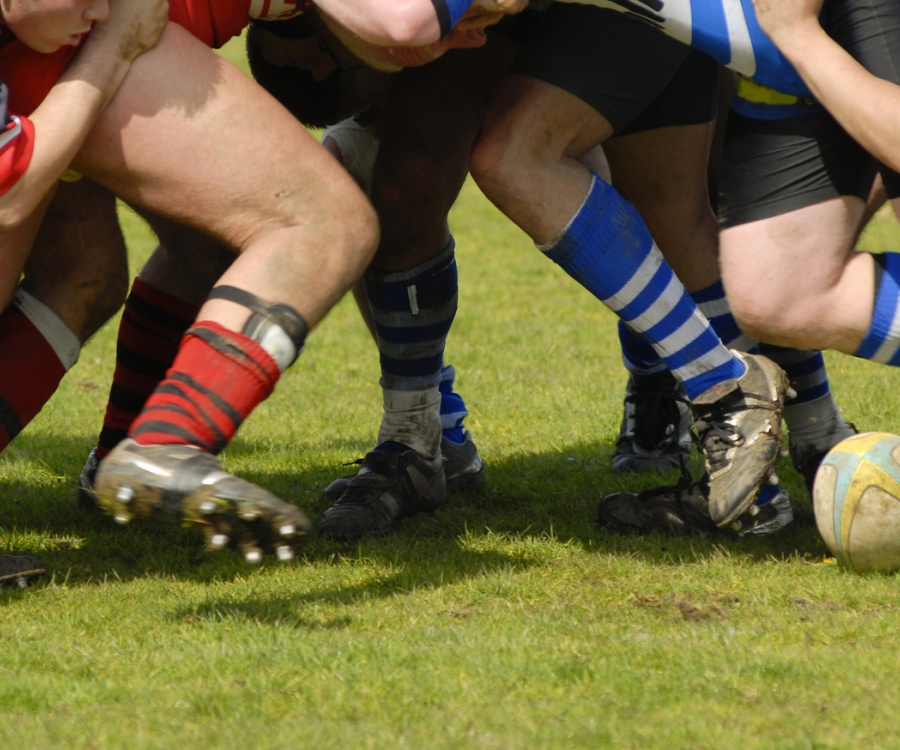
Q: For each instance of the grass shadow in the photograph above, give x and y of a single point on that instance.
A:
(532, 494)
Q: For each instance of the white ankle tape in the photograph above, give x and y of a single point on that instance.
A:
(64, 343)
(413, 418)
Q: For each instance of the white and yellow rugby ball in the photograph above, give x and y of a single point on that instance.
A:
(856, 498)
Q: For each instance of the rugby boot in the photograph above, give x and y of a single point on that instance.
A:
(19, 570)
(463, 468)
(677, 509)
(683, 509)
(183, 483)
(655, 434)
(87, 498)
(463, 465)
(807, 455)
(738, 427)
(393, 482)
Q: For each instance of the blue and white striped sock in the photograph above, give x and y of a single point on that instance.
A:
(813, 418)
(714, 305)
(882, 341)
(608, 249)
(638, 354)
(805, 369)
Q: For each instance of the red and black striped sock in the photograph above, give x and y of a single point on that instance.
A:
(30, 373)
(217, 379)
(153, 324)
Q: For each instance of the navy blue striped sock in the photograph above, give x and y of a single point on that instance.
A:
(413, 311)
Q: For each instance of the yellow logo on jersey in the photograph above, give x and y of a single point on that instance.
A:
(755, 93)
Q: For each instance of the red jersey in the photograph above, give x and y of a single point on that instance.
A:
(29, 75)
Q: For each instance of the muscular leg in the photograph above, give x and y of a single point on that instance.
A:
(75, 280)
(762, 261)
(526, 162)
(303, 229)
(800, 221)
(429, 124)
(304, 232)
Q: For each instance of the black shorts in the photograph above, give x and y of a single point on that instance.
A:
(633, 75)
(771, 167)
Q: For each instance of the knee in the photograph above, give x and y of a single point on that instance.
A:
(84, 298)
(413, 197)
(357, 232)
(759, 314)
(497, 164)
(104, 301)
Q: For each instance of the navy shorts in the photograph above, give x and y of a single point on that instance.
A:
(632, 74)
(771, 167)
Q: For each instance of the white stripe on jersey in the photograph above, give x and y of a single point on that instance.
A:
(11, 133)
(743, 59)
(272, 9)
(675, 19)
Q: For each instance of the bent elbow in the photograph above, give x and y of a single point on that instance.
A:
(406, 24)
(12, 216)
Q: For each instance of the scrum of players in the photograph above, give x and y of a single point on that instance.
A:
(587, 124)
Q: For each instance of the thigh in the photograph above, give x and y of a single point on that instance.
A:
(195, 140)
(15, 247)
(792, 259)
(662, 173)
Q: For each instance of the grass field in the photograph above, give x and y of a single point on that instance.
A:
(504, 620)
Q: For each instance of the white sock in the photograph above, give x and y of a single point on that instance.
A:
(413, 418)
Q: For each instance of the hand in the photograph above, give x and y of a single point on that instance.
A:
(132, 27)
(783, 19)
(503, 7)
(408, 57)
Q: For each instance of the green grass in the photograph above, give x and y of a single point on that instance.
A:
(504, 620)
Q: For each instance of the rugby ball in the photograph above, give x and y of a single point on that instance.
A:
(856, 499)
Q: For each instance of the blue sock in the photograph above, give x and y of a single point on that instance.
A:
(714, 305)
(805, 369)
(882, 341)
(767, 493)
(641, 359)
(638, 355)
(608, 249)
(453, 408)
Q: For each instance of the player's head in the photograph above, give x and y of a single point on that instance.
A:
(47, 25)
(295, 62)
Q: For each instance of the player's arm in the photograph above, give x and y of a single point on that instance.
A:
(404, 23)
(867, 107)
(37, 150)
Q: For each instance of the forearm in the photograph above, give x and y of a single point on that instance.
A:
(61, 123)
(66, 115)
(867, 107)
(396, 23)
